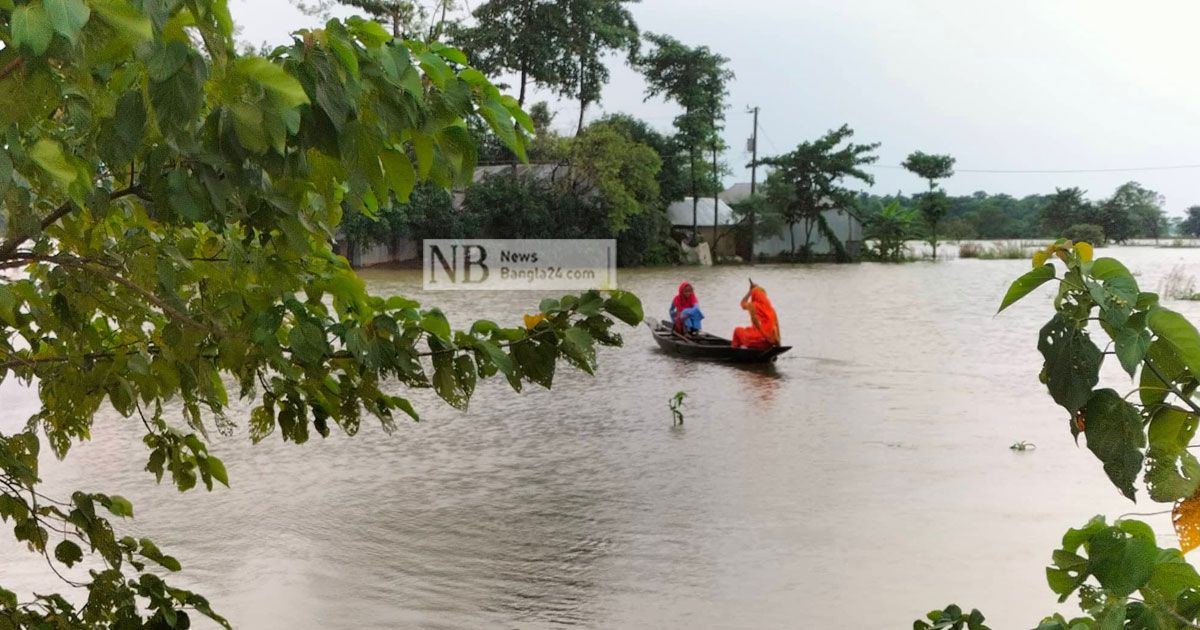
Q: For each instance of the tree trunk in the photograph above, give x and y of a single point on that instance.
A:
(396, 25)
(583, 102)
(716, 188)
(695, 198)
(808, 228)
(792, 232)
(524, 72)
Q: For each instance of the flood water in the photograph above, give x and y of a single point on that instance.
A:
(865, 480)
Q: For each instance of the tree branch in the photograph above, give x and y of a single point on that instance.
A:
(1174, 390)
(12, 243)
(11, 67)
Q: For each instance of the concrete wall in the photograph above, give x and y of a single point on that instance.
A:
(845, 227)
(399, 251)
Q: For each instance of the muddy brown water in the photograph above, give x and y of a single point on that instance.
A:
(864, 480)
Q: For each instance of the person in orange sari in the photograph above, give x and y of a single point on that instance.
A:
(763, 331)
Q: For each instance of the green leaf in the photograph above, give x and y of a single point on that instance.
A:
(1121, 563)
(1025, 284)
(1172, 473)
(625, 306)
(68, 17)
(435, 68)
(120, 506)
(1172, 575)
(216, 468)
(1179, 334)
(1131, 344)
(1171, 429)
(579, 347)
(283, 86)
(49, 155)
(1072, 362)
(1171, 476)
(167, 59)
(6, 171)
(423, 148)
(369, 32)
(449, 53)
(400, 174)
(1152, 390)
(434, 323)
(124, 19)
(68, 553)
(1114, 434)
(31, 28)
(308, 342)
(121, 137)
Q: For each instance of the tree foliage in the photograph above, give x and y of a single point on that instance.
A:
(889, 226)
(1190, 226)
(672, 175)
(594, 29)
(1141, 209)
(695, 78)
(524, 37)
(405, 18)
(169, 209)
(809, 180)
(933, 205)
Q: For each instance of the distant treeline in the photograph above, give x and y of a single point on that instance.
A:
(1132, 211)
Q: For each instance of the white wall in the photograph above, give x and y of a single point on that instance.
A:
(380, 254)
(845, 227)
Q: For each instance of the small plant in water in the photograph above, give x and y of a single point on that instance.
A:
(1178, 285)
(676, 405)
(1023, 446)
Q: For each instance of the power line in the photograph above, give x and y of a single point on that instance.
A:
(1000, 171)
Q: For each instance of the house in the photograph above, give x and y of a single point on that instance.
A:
(724, 239)
(845, 225)
(401, 250)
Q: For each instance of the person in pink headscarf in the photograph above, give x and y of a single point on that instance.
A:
(685, 310)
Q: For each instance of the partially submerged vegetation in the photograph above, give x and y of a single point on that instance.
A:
(1117, 572)
(1178, 284)
(1003, 250)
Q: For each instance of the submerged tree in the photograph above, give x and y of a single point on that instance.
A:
(810, 180)
(1066, 207)
(1190, 226)
(1143, 209)
(933, 205)
(169, 208)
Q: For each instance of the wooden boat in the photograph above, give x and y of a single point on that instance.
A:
(709, 347)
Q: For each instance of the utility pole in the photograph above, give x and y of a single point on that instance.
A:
(753, 174)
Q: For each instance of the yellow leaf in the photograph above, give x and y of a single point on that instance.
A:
(531, 321)
(1084, 251)
(1039, 258)
(1186, 518)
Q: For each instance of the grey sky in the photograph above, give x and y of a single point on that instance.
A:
(1015, 85)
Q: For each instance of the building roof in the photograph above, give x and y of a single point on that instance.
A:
(680, 212)
(736, 193)
(539, 170)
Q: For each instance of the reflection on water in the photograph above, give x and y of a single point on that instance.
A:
(867, 470)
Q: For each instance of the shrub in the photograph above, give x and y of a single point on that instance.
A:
(1087, 233)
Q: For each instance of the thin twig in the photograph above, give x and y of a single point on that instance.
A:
(1171, 386)
(11, 67)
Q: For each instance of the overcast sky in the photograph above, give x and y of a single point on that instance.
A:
(1013, 85)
